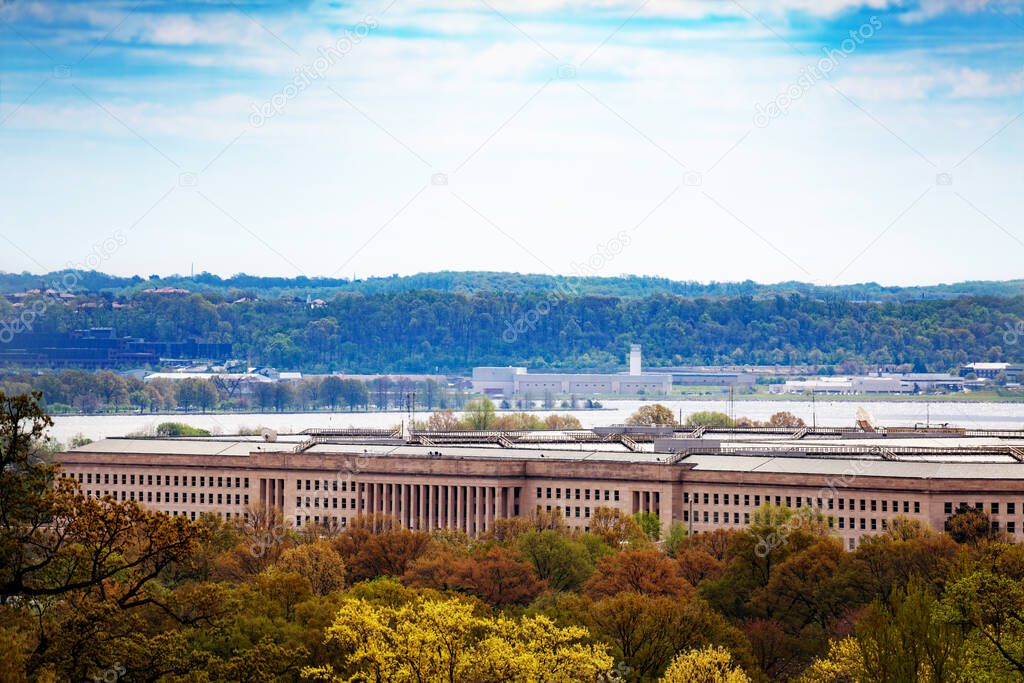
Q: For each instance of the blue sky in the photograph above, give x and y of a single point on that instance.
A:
(830, 141)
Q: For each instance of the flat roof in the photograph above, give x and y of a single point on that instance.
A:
(916, 456)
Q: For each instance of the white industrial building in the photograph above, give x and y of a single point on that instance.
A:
(511, 380)
(907, 383)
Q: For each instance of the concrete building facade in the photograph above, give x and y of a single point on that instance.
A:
(705, 484)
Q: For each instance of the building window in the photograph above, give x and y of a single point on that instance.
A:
(947, 508)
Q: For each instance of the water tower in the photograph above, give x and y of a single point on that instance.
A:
(634, 359)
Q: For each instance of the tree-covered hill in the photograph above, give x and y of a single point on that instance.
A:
(435, 331)
(475, 282)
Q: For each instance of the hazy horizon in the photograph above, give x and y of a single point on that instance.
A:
(385, 276)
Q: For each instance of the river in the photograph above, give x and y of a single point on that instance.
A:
(825, 412)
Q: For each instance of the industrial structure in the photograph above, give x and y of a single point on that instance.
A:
(891, 383)
(705, 478)
(514, 381)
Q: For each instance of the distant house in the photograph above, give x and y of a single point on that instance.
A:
(992, 370)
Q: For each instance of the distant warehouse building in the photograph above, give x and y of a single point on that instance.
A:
(907, 383)
(516, 381)
(710, 378)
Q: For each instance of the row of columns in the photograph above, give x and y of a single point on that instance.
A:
(435, 506)
(272, 493)
(647, 501)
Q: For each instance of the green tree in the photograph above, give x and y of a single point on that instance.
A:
(708, 418)
(479, 414)
(565, 564)
(650, 524)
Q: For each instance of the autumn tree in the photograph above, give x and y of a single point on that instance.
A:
(319, 562)
(785, 418)
(615, 527)
(518, 422)
(497, 578)
(647, 572)
(368, 554)
(969, 525)
(444, 421)
(697, 564)
(652, 414)
(646, 632)
(562, 422)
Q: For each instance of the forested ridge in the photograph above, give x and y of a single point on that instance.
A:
(431, 331)
(473, 282)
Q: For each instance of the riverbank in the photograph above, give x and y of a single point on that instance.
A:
(824, 411)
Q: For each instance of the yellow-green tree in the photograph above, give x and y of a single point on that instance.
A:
(443, 640)
(479, 414)
(707, 665)
(319, 562)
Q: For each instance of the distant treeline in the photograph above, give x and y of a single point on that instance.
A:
(435, 332)
(105, 391)
(475, 282)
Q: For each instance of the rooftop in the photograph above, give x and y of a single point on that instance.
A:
(916, 453)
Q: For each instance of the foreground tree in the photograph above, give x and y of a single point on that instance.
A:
(82, 564)
(708, 665)
(443, 640)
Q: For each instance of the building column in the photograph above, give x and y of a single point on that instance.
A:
(488, 507)
(450, 507)
(458, 507)
(410, 512)
(478, 492)
(421, 498)
(430, 506)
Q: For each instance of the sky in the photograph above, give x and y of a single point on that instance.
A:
(828, 141)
